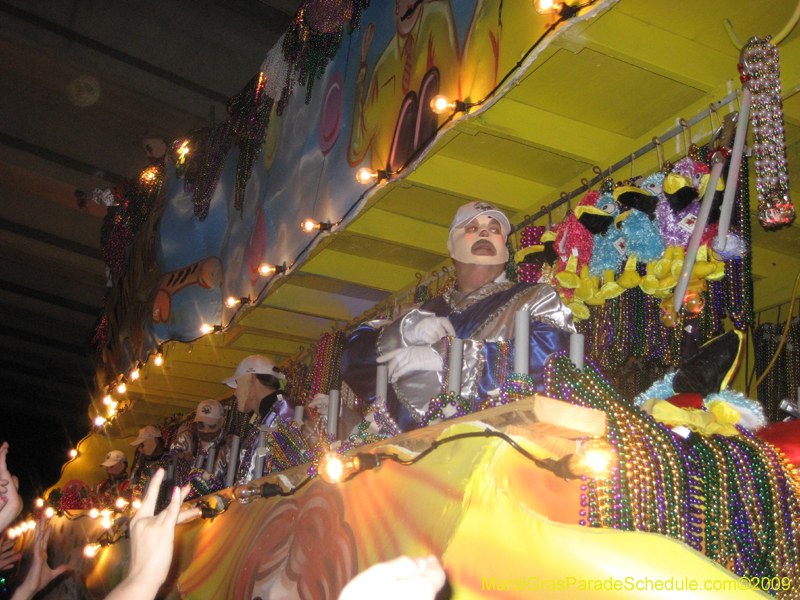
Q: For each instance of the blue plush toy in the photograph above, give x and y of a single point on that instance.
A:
(640, 228)
(610, 250)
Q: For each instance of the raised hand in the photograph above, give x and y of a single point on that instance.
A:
(10, 502)
(152, 541)
(40, 574)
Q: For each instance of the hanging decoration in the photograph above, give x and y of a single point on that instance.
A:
(760, 68)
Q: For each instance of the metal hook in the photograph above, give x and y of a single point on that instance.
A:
(418, 275)
(687, 133)
(529, 220)
(713, 110)
(598, 171)
(585, 183)
(659, 148)
(565, 199)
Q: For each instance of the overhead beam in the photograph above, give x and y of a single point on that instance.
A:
(401, 230)
(477, 183)
(654, 49)
(116, 54)
(278, 321)
(359, 270)
(529, 125)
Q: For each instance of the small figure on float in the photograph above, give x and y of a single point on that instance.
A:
(205, 446)
(116, 484)
(479, 310)
(149, 450)
(257, 384)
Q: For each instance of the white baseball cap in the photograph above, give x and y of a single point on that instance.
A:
(145, 433)
(467, 212)
(114, 457)
(209, 411)
(260, 365)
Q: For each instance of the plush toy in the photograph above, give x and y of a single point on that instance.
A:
(609, 250)
(573, 243)
(640, 229)
(696, 398)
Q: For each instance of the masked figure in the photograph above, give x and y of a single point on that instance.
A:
(203, 439)
(116, 484)
(479, 309)
(257, 383)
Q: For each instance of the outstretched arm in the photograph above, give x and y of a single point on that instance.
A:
(152, 540)
(40, 574)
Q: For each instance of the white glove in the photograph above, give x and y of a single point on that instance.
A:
(413, 358)
(320, 402)
(429, 331)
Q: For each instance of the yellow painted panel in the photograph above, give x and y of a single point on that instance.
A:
(315, 303)
(280, 321)
(186, 387)
(477, 183)
(399, 229)
(645, 45)
(422, 203)
(605, 92)
(268, 345)
(359, 270)
(513, 157)
(528, 124)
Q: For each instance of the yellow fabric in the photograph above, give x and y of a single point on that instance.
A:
(701, 421)
(704, 184)
(673, 182)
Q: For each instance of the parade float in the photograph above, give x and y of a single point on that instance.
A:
(629, 465)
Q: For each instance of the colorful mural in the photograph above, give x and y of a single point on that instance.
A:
(221, 212)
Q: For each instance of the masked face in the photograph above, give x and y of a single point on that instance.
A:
(208, 432)
(117, 470)
(479, 242)
(243, 392)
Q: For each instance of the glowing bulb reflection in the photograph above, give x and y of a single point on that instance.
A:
(49, 512)
(158, 360)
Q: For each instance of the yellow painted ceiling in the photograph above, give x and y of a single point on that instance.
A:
(591, 99)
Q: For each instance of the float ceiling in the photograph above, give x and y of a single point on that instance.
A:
(592, 98)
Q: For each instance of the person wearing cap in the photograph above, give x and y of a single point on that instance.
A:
(116, 484)
(149, 450)
(257, 384)
(479, 309)
(196, 441)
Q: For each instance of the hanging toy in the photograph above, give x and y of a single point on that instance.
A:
(573, 243)
(609, 250)
(640, 228)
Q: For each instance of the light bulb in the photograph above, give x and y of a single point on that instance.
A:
(121, 387)
(114, 406)
(546, 6)
(12, 533)
(135, 374)
(49, 512)
(441, 104)
(39, 502)
(23, 526)
(73, 453)
(17, 531)
(266, 269)
(121, 503)
(90, 550)
(136, 504)
(335, 468)
(107, 400)
(364, 175)
(158, 360)
(106, 522)
(94, 513)
(231, 302)
(31, 525)
(99, 421)
(205, 328)
(112, 411)
(595, 459)
(309, 225)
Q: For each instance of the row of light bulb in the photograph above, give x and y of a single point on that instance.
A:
(21, 529)
(121, 388)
